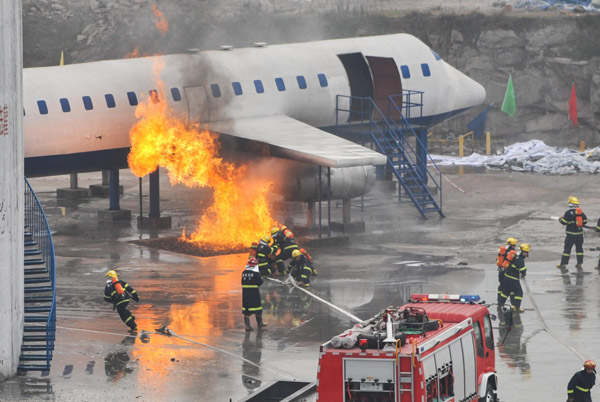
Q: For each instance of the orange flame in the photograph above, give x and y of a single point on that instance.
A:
(135, 53)
(240, 213)
(161, 22)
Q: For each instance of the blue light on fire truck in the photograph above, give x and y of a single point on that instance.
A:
(444, 297)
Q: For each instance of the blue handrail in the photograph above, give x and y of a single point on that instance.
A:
(406, 126)
(391, 140)
(36, 221)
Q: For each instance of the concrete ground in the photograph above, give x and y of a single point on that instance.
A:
(200, 298)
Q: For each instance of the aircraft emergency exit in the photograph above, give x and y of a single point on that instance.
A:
(77, 117)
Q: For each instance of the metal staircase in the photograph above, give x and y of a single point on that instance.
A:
(392, 135)
(40, 288)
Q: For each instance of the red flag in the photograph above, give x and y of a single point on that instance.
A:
(573, 106)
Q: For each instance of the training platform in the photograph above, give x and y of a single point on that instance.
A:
(72, 193)
(157, 222)
(119, 215)
(100, 190)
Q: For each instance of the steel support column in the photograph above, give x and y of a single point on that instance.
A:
(154, 195)
(114, 191)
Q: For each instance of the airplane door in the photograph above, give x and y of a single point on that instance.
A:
(386, 82)
(197, 104)
(361, 82)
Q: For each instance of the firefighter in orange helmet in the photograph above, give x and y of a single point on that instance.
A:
(581, 383)
(118, 292)
(574, 220)
(288, 245)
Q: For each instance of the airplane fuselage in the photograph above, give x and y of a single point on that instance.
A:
(77, 117)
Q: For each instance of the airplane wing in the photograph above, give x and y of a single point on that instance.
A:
(299, 141)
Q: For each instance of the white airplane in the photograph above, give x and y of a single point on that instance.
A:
(77, 117)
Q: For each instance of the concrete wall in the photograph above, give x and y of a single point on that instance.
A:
(11, 187)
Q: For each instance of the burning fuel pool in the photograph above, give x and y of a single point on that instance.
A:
(184, 247)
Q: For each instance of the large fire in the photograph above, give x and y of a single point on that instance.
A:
(240, 213)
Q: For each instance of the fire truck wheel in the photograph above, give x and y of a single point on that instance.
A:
(489, 394)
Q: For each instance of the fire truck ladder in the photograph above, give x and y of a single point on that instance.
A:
(392, 134)
(405, 377)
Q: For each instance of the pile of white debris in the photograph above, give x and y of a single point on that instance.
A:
(531, 156)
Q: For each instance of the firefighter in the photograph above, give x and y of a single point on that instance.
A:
(118, 292)
(287, 246)
(511, 283)
(265, 248)
(251, 303)
(309, 261)
(503, 252)
(581, 383)
(300, 269)
(574, 220)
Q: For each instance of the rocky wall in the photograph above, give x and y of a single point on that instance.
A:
(545, 56)
(544, 51)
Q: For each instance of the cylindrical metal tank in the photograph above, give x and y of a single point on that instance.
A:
(346, 183)
(11, 187)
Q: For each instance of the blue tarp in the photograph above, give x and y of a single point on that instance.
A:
(560, 4)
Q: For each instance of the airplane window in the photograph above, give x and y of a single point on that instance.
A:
(132, 98)
(216, 91)
(64, 103)
(176, 94)
(23, 111)
(322, 80)
(259, 86)
(154, 95)
(87, 103)
(42, 107)
(425, 69)
(280, 84)
(405, 71)
(437, 56)
(301, 81)
(110, 100)
(237, 88)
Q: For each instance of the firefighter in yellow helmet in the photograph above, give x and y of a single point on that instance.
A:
(574, 220)
(118, 293)
(265, 248)
(511, 284)
(287, 244)
(503, 252)
(578, 389)
(300, 269)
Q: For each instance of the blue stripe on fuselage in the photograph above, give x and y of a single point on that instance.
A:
(76, 163)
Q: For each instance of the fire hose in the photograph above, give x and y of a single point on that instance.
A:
(333, 306)
(144, 336)
(547, 329)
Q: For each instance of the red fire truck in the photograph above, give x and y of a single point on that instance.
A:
(436, 348)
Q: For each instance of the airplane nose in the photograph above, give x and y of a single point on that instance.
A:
(462, 92)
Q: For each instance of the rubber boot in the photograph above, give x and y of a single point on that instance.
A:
(247, 323)
(259, 321)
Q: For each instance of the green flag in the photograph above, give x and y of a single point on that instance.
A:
(509, 105)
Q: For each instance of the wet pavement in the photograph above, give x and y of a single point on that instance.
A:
(200, 298)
